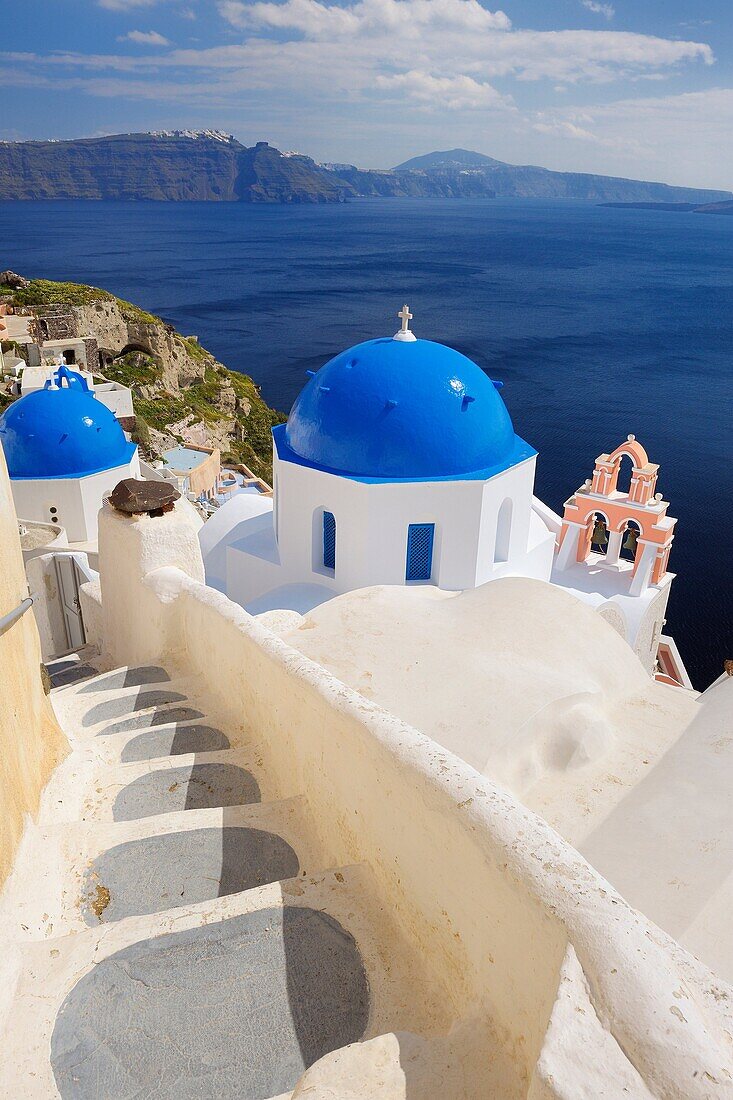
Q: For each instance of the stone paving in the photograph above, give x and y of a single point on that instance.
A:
(188, 945)
(255, 1000)
(175, 740)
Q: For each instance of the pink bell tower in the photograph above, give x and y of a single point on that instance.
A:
(639, 506)
(599, 520)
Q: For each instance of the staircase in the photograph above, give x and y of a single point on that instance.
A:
(175, 928)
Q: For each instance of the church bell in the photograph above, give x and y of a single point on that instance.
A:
(631, 539)
(600, 534)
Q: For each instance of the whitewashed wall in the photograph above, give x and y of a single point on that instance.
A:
(77, 500)
(586, 994)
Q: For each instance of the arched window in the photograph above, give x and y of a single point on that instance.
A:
(625, 469)
(503, 531)
(329, 540)
(420, 538)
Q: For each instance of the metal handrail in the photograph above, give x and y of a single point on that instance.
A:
(13, 616)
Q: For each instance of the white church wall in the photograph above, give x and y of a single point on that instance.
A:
(116, 397)
(506, 510)
(95, 487)
(223, 529)
(70, 502)
(56, 500)
(646, 642)
(372, 524)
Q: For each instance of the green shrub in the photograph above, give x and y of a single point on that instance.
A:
(162, 410)
(141, 432)
(45, 292)
(134, 369)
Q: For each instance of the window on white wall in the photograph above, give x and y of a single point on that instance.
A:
(420, 537)
(275, 498)
(503, 531)
(329, 540)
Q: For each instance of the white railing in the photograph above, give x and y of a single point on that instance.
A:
(12, 616)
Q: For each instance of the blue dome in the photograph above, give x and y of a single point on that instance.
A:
(406, 410)
(64, 432)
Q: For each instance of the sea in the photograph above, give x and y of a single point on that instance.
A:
(600, 322)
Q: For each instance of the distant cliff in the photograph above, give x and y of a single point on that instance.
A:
(208, 166)
(181, 394)
(163, 168)
(725, 207)
(463, 172)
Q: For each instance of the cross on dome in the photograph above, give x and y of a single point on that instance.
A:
(404, 333)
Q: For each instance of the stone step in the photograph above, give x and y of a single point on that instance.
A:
(120, 678)
(176, 740)
(236, 995)
(82, 874)
(122, 705)
(69, 672)
(72, 667)
(173, 739)
(123, 699)
(89, 790)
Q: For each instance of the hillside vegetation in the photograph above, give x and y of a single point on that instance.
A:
(181, 393)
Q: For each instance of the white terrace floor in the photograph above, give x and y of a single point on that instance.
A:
(176, 933)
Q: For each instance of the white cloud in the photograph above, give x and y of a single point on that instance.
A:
(678, 138)
(454, 93)
(144, 38)
(565, 129)
(458, 37)
(599, 9)
(125, 5)
(371, 17)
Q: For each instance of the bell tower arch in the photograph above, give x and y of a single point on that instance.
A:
(616, 543)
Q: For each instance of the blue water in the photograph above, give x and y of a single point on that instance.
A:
(600, 322)
(184, 458)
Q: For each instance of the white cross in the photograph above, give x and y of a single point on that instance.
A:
(406, 317)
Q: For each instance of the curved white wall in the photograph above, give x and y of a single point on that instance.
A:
(517, 926)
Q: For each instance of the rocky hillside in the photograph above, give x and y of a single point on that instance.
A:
(462, 172)
(181, 393)
(162, 167)
(215, 167)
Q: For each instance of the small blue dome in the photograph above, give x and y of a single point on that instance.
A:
(62, 432)
(393, 409)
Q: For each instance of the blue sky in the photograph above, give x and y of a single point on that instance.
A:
(641, 88)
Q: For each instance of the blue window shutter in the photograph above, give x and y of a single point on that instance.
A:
(329, 540)
(420, 551)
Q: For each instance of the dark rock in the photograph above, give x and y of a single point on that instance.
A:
(143, 497)
(17, 282)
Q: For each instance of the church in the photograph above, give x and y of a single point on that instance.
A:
(399, 465)
(65, 452)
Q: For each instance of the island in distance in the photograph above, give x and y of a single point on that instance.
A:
(186, 165)
(724, 207)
